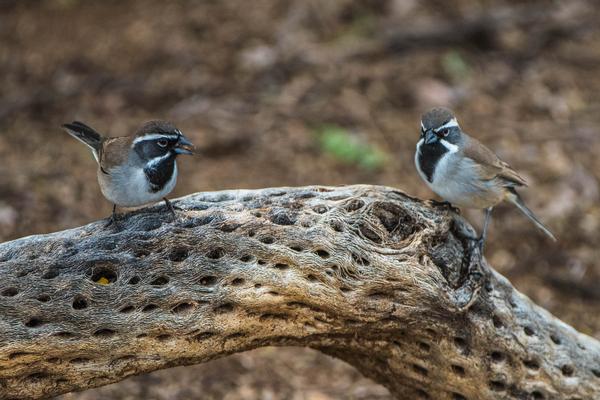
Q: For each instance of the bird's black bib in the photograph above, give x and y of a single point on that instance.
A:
(429, 156)
(160, 174)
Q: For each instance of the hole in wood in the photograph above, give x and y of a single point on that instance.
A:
(79, 360)
(224, 308)
(531, 364)
(420, 370)
(79, 302)
(537, 395)
(461, 344)
(215, 254)
(497, 322)
(64, 335)
(34, 322)
(50, 274)
(360, 260)
(354, 205)
(497, 386)
(337, 226)
(10, 292)
(104, 276)
(528, 331)
(322, 253)
(458, 370)
(208, 280)
(178, 255)
(127, 309)
(497, 356)
(182, 308)
(43, 298)
(149, 307)
(160, 281)
(567, 370)
(104, 333)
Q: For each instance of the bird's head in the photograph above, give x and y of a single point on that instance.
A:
(437, 124)
(160, 139)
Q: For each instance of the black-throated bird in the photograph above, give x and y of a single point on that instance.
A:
(138, 169)
(464, 172)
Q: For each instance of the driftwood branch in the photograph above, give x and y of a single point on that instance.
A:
(367, 274)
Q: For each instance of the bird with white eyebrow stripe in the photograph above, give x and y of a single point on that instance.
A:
(464, 172)
(138, 169)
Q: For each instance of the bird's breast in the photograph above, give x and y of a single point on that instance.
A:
(128, 186)
(457, 180)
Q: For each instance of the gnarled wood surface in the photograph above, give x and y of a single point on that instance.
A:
(367, 274)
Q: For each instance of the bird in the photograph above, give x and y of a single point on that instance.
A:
(137, 169)
(464, 172)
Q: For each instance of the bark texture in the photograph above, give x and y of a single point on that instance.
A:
(386, 282)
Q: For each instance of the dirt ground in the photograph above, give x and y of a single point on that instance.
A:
(260, 86)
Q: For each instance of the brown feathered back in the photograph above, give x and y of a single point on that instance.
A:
(489, 164)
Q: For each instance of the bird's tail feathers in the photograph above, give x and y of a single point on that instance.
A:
(518, 201)
(86, 135)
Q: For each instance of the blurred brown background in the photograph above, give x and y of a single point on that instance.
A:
(286, 93)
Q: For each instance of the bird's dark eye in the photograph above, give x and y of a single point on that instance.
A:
(162, 143)
(445, 132)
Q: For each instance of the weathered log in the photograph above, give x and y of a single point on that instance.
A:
(367, 274)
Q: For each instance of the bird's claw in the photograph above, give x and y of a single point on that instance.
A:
(112, 221)
(480, 242)
(172, 208)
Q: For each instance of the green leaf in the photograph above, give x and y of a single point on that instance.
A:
(455, 66)
(348, 148)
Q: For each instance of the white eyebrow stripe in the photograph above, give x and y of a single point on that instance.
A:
(422, 126)
(450, 124)
(154, 136)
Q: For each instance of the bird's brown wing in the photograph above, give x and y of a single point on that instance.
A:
(114, 152)
(490, 166)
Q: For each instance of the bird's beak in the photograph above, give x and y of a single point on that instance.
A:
(430, 137)
(184, 146)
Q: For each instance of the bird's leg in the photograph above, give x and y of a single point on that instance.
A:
(170, 207)
(486, 222)
(113, 218)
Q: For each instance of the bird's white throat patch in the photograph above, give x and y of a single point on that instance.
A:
(452, 148)
(157, 160)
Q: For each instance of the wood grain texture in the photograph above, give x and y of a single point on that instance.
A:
(388, 283)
